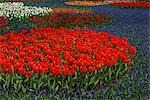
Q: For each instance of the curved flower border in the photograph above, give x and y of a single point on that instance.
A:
(17, 9)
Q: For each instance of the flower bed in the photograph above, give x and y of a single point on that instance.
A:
(70, 10)
(57, 19)
(59, 58)
(26, 0)
(87, 3)
(132, 4)
(4, 23)
(70, 20)
(18, 10)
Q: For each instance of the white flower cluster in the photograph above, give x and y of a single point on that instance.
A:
(18, 10)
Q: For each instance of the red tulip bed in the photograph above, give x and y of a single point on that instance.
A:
(4, 23)
(132, 4)
(61, 58)
(71, 20)
(62, 51)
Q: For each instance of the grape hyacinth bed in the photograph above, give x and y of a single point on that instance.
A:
(93, 53)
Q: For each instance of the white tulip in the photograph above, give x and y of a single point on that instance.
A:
(17, 9)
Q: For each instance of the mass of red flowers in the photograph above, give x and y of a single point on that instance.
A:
(61, 19)
(3, 21)
(62, 51)
(132, 4)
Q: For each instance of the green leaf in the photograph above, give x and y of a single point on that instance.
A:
(117, 73)
(26, 80)
(98, 80)
(53, 85)
(12, 80)
(93, 80)
(126, 67)
(31, 90)
(34, 86)
(39, 85)
(59, 82)
(25, 97)
(49, 85)
(57, 88)
(23, 89)
(68, 79)
(110, 73)
(105, 78)
(2, 98)
(67, 86)
(15, 86)
(3, 80)
(4, 86)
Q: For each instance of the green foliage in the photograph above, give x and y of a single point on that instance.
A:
(19, 85)
(2, 1)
